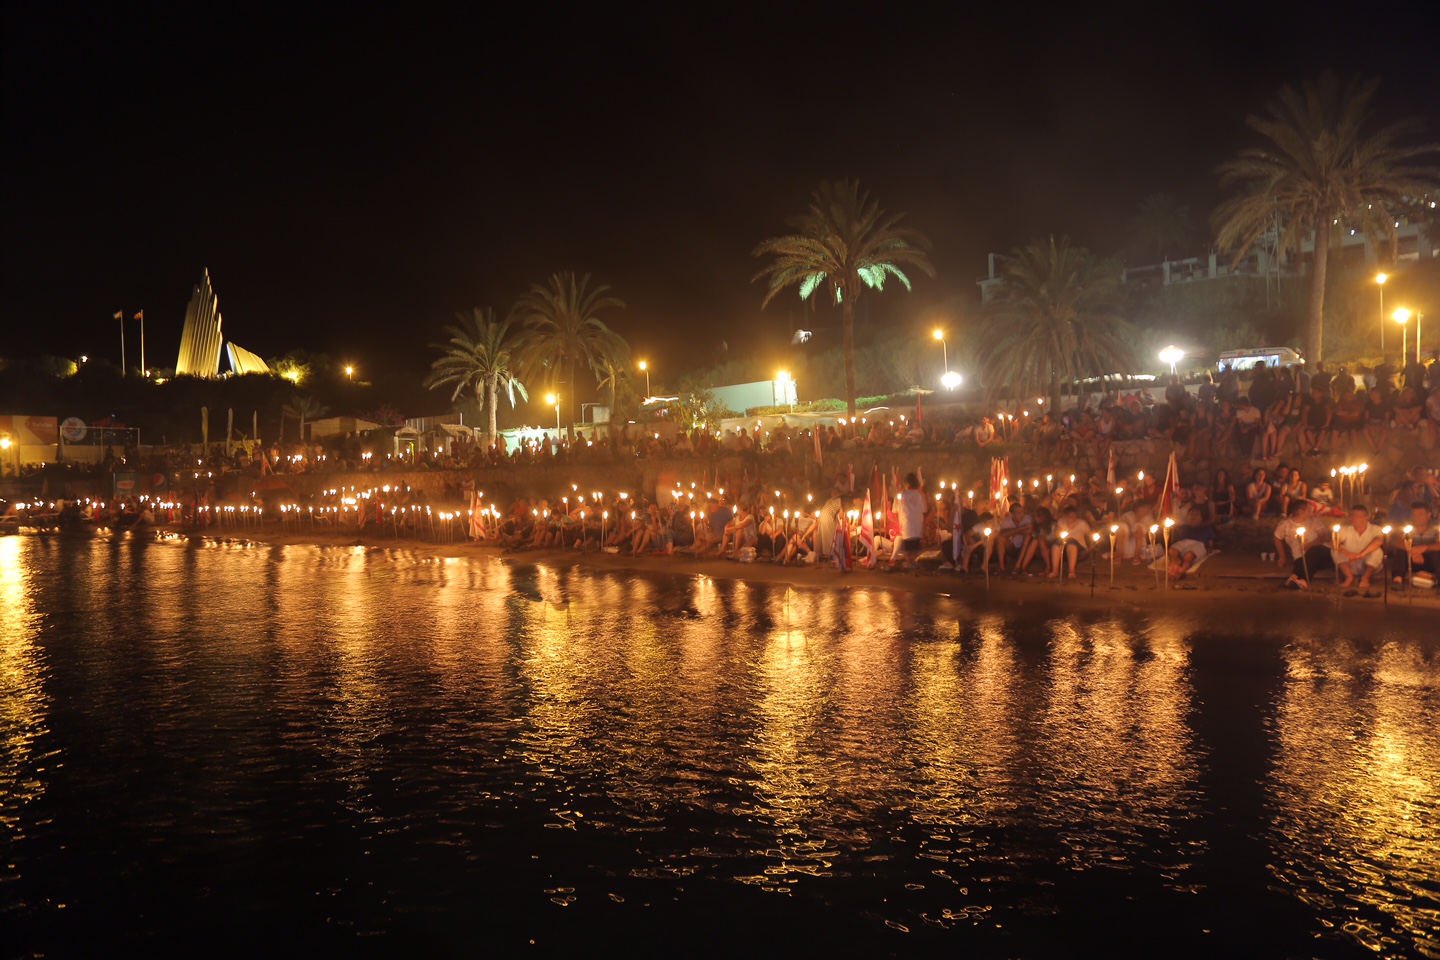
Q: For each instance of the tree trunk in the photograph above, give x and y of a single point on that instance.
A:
(1055, 393)
(1315, 324)
(570, 406)
(492, 399)
(848, 339)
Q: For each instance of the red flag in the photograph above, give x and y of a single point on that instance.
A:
(139, 316)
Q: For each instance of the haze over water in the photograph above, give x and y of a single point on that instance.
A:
(215, 748)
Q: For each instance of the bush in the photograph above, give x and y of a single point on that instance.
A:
(828, 405)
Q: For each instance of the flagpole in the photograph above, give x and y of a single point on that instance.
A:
(120, 315)
(143, 370)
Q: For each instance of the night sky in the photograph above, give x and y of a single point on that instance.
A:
(351, 179)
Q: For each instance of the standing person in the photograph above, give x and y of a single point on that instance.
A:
(827, 518)
(910, 507)
(1358, 553)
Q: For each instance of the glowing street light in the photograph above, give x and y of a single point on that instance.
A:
(951, 380)
(1172, 355)
(350, 373)
(1380, 279)
(1402, 317)
(645, 369)
(554, 400)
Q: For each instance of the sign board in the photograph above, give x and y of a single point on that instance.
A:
(126, 484)
(73, 429)
(30, 431)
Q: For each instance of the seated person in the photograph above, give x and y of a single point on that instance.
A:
(1297, 543)
(1423, 552)
(1015, 529)
(1358, 552)
(1072, 539)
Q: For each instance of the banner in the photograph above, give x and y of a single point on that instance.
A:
(30, 431)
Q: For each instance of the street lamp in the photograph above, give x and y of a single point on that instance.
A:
(350, 373)
(554, 400)
(783, 379)
(645, 368)
(1172, 355)
(951, 380)
(1402, 317)
(1380, 279)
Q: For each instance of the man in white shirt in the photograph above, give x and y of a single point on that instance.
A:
(910, 507)
(1015, 530)
(1358, 552)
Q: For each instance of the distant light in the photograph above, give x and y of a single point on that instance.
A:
(939, 334)
(1172, 355)
(1381, 278)
(951, 380)
(1401, 316)
(642, 365)
(84, 358)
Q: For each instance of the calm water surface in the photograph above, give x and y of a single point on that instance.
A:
(211, 749)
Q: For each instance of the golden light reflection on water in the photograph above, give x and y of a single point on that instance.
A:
(1117, 756)
(24, 703)
(1356, 791)
(792, 773)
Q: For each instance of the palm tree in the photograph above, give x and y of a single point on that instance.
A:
(608, 375)
(1054, 320)
(304, 407)
(479, 358)
(565, 330)
(1318, 169)
(1163, 222)
(844, 240)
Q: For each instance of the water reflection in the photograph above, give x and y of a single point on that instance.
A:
(24, 705)
(1356, 791)
(400, 734)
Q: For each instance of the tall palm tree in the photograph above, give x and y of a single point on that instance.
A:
(304, 407)
(846, 241)
(1054, 320)
(1164, 223)
(609, 374)
(479, 358)
(565, 331)
(1320, 168)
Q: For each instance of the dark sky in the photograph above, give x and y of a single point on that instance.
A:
(351, 179)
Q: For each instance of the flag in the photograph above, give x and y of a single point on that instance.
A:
(999, 486)
(1170, 491)
(867, 532)
(119, 314)
(139, 316)
(841, 553)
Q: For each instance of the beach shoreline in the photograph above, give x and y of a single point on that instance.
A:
(1223, 576)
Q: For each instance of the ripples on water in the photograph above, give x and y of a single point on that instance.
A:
(380, 750)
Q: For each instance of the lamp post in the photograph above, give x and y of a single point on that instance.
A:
(645, 369)
(554, 400)
(1402, 317)
(944, 353)
(350, 373)
(1172, 355)
(783, 379)
(1380, 279)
